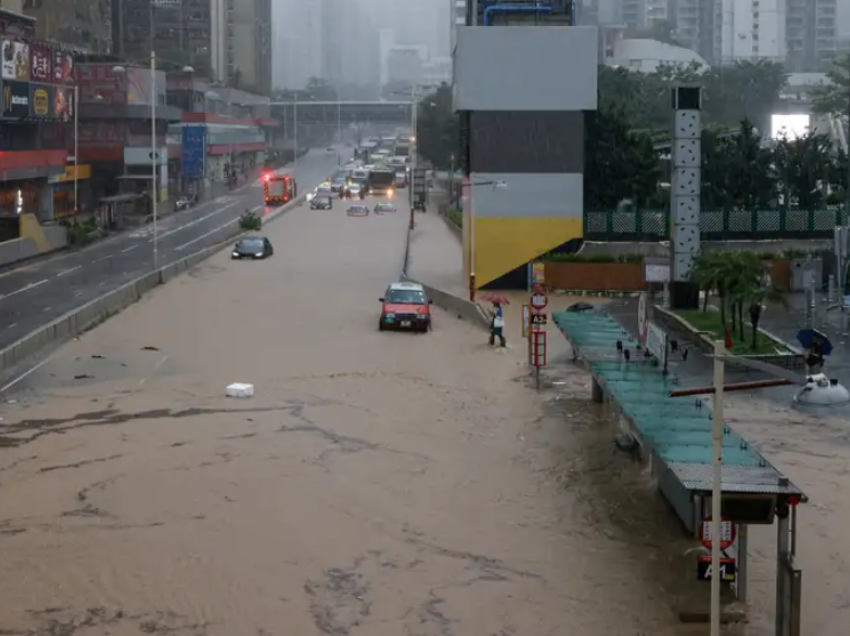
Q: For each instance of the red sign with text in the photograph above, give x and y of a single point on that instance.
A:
(41, 63)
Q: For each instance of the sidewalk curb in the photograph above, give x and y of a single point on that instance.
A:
(461, 307)
(90, 315)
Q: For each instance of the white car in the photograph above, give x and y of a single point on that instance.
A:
(354, 190)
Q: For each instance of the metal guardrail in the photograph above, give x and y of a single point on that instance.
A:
(716, 225)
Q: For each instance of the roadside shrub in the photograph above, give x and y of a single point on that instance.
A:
(82, 233)
(456, 217)
(250, 221)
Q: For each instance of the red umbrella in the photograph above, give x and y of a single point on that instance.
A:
(496, 299)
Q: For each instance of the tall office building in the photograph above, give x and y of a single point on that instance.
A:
(78, 24)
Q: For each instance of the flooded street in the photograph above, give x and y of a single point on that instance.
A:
(377, 484)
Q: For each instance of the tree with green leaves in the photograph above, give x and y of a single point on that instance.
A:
(803, 166)
(619, 163)
(834, 98)
(437, 128)
(319, 90)
(737, 280)
(744, 90)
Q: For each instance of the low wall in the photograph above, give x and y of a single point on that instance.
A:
(17, 250)
(95, 312)
(671, 322)
(590, 276)
(460, 307)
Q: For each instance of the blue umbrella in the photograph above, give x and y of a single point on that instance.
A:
(811, 338)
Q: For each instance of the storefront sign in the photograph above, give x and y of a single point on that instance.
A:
(62, 107)
(63, 67)
(41, 101)
(41, 63)
(194, 154)
(15, 58)
(15, 100)
(80, 172)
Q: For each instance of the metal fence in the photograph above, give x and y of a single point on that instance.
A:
(716, 225)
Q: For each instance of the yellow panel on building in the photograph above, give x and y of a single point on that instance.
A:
(502, 245)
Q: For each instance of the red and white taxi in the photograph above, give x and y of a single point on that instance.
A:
(405, 306)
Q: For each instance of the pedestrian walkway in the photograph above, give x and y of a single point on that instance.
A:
(436, 255)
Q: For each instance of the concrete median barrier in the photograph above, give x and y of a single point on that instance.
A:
(100, 309)
(456, 305)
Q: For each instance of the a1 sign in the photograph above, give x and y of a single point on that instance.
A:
(728, 569)
(728, 532)
(539, 298)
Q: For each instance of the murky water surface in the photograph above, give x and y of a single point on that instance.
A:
(376, 484)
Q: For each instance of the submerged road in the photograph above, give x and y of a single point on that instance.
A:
(33, 295)
(377, 484)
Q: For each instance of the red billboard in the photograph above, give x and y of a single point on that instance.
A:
(41, 63)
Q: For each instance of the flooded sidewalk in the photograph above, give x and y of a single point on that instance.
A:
(813, 452)
(436, 255)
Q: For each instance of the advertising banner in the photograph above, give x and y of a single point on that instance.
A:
(41, 63)
(15, 58)
(63, 104)
(63, 67)
(194, 150)
(41, 101)
(15, 103)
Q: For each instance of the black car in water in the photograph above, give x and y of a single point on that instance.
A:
(321, 203)
(253, 247)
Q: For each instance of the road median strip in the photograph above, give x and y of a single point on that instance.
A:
(456, 305)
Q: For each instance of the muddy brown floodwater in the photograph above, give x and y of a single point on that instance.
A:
(377, 484)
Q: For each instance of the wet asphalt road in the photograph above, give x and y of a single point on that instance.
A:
(32, 296)
(377, 484)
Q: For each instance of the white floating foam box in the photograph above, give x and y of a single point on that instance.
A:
(240, 390)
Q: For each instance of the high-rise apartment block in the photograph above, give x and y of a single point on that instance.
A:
(224, 40)
(83, 25)
(801, 33)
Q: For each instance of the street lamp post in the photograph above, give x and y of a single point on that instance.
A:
(497, 185)
(717, 426)
(76, 150)
(154, 153)
(295, 131)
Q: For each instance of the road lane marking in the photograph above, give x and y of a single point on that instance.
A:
(162, 235)
(211, 232)
(102, 258)
(14, 324)
(129, 249)
(46, 309)
(26, 373)
(23, 289)
(70, 270)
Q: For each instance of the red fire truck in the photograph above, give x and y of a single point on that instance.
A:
(278, 189)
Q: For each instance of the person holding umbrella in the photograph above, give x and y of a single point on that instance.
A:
(497, 321)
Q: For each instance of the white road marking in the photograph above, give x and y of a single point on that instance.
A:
(46, 309)
(129, 249)
(23, 289)
(69, 271)
(162, 235)
(211, 232)
(155, 368)
(26, 373)
(102, 258)
(14, 324)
